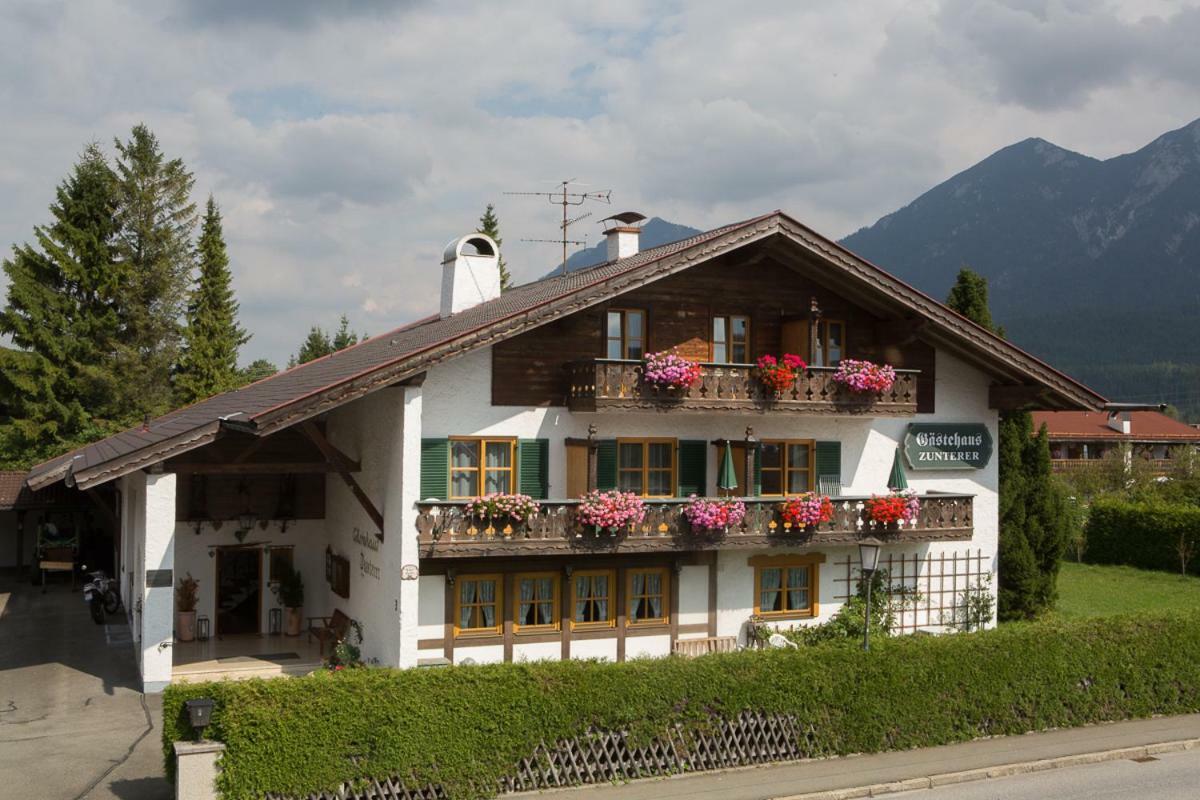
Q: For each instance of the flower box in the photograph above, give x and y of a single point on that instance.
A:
(610, 510)
(893, 509)
(716, 514)
(865, 377)
(807, 510)
(511, 509)
(671, 371)
(779, 374)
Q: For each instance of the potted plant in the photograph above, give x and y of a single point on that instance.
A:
(891, 510)
(513, 508)
(187, 595)
(291, 594)
(807, 510)
(714, 515)
(669, 370)
(865, 377)
(611, 510)
(779, 374)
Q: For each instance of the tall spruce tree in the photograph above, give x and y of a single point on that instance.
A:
(57, 386)
(316, 345)
(212, 337)
(156, 217)
(489, 224)
(1035, 527)
(344, 337)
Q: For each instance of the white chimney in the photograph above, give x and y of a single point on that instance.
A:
(470, 273)
(624, 235)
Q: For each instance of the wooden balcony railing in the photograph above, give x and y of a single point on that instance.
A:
(605, 384)
(445, 531)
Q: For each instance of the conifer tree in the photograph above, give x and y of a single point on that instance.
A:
(212, 337)
(256, 370)
(344, 337)
(315, 345)
(969, 297)
(156, 218)
(489, 224)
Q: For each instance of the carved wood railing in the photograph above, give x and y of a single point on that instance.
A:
(604, 384)
(446, 531)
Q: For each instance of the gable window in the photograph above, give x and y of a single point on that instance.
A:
(731, 339)
(785, 587)
(830, 344)
(536, 605)
(477, 605)
(625, 331)
(648, 596)
(646, 467)
(593, 593)
(787, 467)
(481, 466)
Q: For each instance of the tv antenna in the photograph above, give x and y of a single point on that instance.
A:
(565, 198)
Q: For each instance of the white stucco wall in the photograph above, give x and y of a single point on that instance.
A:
(158, 614)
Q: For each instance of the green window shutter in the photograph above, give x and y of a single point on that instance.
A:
(829, 462)
(533, 459)
(606, 464)
(692, 469)
(435, 469)
(757, 485)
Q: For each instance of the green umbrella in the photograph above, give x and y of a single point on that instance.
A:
(897, 479)
(728, 479)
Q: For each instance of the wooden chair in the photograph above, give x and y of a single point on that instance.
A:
(331, 629)
(690, 648)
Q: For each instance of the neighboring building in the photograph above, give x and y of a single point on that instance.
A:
(23, 512)
(1079, 438)
(355, 468)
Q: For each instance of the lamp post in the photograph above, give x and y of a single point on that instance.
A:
(868, 558)
(199, 714)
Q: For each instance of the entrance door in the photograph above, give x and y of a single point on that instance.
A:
(239, 590)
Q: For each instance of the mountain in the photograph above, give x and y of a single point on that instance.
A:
(655, 232)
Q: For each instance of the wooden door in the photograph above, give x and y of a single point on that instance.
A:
(577, 462)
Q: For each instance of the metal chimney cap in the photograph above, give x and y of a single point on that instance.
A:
(625, 218)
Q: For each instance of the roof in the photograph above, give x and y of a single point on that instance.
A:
(318, 386)
(1145, 426)
(15, 495)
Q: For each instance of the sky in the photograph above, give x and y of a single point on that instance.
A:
(346, 142)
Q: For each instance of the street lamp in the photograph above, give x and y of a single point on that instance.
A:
(868, 558)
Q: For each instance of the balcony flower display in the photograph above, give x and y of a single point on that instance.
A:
(779, 374)
(514, 507)
(897, 507)
(806, 510)
(611, 509)
(865, 376)
(669, 370)
(714, 514)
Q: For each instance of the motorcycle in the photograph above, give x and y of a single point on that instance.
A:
(100, 594)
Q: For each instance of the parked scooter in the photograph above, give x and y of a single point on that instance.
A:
(100, 593)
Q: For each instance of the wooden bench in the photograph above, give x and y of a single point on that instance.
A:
(331, 629)
(57, 559)
(690, 648)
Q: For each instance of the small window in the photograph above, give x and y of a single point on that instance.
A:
(786, 589)
(535, 607)
(487, 460)
(648, 596)
(625, 333)
(731, 340)
(830, 344)
(477, 605)
(787, 467)
(592, 598)
(646, 467)
(280, 561)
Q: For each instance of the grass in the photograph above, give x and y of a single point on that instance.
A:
(1091, 590)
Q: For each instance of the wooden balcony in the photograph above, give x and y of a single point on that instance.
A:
(604, 384)
(446, 532)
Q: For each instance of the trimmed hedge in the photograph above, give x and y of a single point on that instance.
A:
(1144, 535)
(465, 727)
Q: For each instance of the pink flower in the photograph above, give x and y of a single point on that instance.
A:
(669, 370)
(864, 376)
(610, 509)
(716, 514)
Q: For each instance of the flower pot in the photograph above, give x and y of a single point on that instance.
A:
(295, 621)
(185, 626)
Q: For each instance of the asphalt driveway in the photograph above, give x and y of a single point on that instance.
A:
(73, 723)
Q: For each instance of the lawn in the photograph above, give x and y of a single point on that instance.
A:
(1090, 590)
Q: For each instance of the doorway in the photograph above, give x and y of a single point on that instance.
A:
(239, 590)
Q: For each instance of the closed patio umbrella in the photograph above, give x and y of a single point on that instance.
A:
(728, 477)
(897, 479)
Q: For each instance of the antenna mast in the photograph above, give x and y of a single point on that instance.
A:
(566, 199)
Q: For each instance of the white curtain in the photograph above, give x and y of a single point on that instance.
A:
(466, 596)
(600, 594)
(526, 602)
(654, 590)
(769, 582)
(487, 596)
(797, 588)
(545, 606)
(582, 588)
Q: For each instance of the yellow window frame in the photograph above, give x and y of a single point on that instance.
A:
(631, 599)
(728, 340)
(494, 630)
(645, 468)
(785, 468)
(611, 622)
(480, 471)
(784, 563)
(625, 339)
(555, 608)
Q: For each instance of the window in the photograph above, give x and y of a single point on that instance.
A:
(787, 467)
(625, 332)
(647, 596)
(280, 562)
(646, 467)
(535, 607)
(477, 605)
(466, 469)
(731, 340)
(786, 586)
(593, 591)
(830, 344)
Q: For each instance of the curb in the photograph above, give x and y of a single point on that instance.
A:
(1001, 771)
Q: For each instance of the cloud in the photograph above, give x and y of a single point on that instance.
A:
(283, 13)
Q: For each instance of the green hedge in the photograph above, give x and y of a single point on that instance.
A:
(464, 727)
(1143, 535)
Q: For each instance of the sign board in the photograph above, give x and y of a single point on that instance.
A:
(947, 445)
(159, 579)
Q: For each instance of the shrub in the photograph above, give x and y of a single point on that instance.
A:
(464, 727)
(1163, 536)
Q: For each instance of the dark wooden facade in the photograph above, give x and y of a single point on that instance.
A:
(532, 369)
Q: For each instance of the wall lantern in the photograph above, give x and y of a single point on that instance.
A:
(199, 714)
(868, 559)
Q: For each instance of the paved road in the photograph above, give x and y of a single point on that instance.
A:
(1172, 776)
(73, 725)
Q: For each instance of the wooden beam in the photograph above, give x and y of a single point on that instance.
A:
(1015, 398)
(257, 468)
(338, 460)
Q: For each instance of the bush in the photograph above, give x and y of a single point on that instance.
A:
(464, 727)
(1162, 536)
